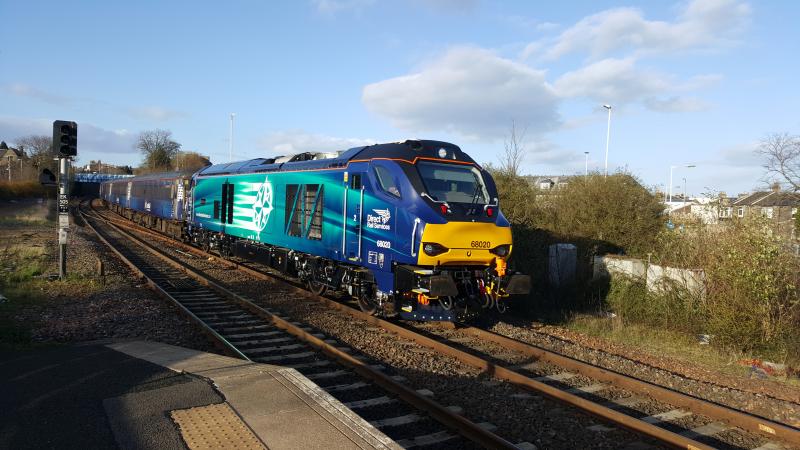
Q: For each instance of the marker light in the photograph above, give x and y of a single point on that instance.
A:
(490, 211)
(433, 249)
(501, 250)
(443, 208)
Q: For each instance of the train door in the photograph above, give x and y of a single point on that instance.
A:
(128, 195)
(353, 216)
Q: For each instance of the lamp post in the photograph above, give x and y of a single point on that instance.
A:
(608, 136)
(671, 168)
(684, 190)
(230, 141)
(586, 169)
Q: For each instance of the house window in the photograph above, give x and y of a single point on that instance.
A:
(725, 212)
(794, 212)
(740, 211)
(767, 212)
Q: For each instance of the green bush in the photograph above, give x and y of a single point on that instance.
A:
(752, 280)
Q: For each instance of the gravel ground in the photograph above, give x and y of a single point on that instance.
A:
(768, 399)
(88, 308)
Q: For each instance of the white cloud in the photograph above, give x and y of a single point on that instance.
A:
(702, 24)
(155, 113)
(469, 91)
(613, 80)
(619, 81)
(297, 141)
(91, 138)
(25, 90)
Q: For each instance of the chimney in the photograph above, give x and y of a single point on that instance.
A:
(776, 187)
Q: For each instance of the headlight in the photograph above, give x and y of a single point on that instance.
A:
(433, 249)
(501, 250)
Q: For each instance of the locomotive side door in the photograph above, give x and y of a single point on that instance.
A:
(353, 216)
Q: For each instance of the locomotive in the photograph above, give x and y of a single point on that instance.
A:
(410, 229)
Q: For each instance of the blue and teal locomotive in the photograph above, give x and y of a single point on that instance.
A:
(410, 228)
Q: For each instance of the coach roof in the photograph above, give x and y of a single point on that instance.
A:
(408, 151)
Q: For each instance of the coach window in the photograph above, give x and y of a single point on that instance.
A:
(387, 181)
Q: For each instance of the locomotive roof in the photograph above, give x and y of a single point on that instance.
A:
(156, 176)
(408, 151)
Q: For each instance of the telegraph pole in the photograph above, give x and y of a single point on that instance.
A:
(65, 140)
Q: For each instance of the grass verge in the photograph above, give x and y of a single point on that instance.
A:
(673, 344)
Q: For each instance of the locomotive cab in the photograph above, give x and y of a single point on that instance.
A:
(457, 241)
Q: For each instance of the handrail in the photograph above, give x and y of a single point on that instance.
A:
(414, 236)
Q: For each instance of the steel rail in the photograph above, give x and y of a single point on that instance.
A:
(458, 423)
(219, 339)
(708, 408)
(735, 417)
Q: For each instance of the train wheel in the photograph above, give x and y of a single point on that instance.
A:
(367, 304)
(446, 302)
(501, 306)
(316, 287)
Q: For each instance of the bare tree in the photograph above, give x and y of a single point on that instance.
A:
(190, 161)
(39, 149)
(781, 152)
(511, 159)
(158, 149)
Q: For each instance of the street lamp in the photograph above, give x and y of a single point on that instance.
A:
(586, 170)
(608, 135)
(671, 168)
(684, 190)
(230, 141)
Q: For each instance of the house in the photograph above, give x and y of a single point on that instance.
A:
(777, 206)
(8, 154)
(548, 182)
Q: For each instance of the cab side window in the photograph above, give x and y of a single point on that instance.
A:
(387, 181)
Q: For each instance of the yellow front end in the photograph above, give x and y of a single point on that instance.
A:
(468, 243)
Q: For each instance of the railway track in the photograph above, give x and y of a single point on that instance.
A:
(245, 330)
(668, 416)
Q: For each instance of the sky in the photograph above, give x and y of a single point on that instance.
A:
(690, 82)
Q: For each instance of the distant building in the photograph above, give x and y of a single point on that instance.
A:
(780, 207)
(101, 167)
(548, 182)
(8, 154)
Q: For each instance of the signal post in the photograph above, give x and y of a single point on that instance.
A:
(65, 141)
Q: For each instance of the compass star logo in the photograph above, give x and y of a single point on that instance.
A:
(262, 207)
